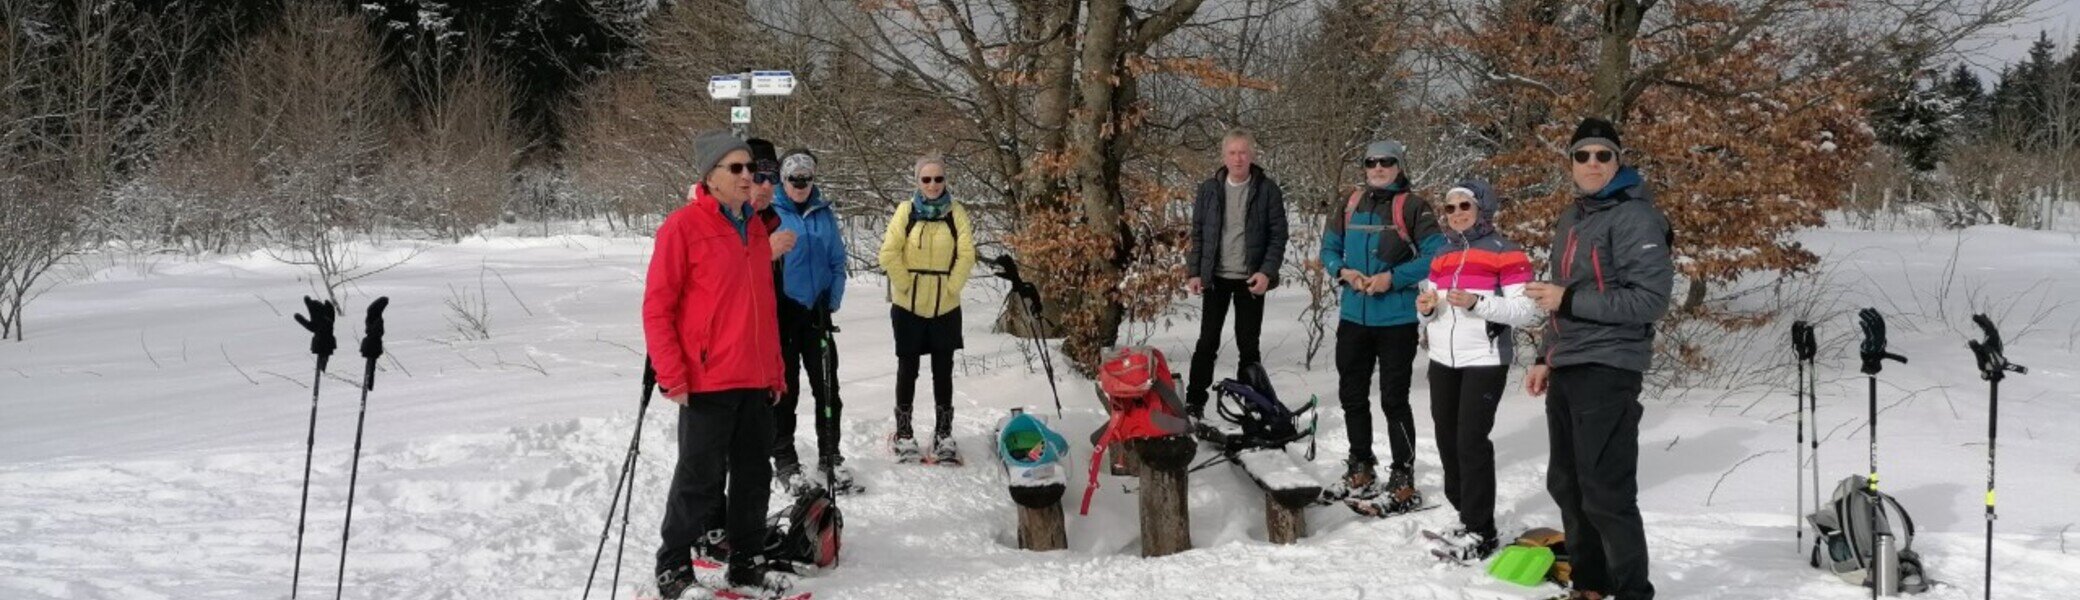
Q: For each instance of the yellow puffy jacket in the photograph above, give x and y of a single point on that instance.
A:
(928, 264)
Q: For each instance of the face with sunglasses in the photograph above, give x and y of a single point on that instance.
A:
(1460, 212)
(1381, 171)
(730, 180)
(931, 180)
(765, 176)
(1592, 167)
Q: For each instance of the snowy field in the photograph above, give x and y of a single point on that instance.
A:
(153, 436)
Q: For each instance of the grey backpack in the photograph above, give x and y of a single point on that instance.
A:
(1847, 541)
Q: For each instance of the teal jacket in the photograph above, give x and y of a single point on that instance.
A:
(1361, 236)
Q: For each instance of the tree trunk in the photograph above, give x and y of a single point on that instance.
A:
(1041, 529)
(1694, 298)
(1621, 19)
(1166, 520)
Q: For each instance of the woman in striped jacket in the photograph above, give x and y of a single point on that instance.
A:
(1468, 305)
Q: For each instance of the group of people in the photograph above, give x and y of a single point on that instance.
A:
(745, 278)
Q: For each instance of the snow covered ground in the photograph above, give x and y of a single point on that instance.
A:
(153, 430)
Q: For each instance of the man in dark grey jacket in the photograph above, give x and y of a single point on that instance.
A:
(1611, 275)
(1238, 245)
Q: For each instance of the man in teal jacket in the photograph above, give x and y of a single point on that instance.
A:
(1378, 245)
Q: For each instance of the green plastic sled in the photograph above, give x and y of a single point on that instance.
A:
(1522, 565)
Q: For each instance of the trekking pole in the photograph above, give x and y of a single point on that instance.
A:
(624, 480)
(1993, 366)
(1029, 296)
(1803, 347)
(319, 323)
(1874, 355)
(828, 345)
(371, 349)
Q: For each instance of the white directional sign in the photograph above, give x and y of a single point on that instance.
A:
(740, 115)
(772, 83)
(725, 87)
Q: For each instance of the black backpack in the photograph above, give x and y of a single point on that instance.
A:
(807, 536)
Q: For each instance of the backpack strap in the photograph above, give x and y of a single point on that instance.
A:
(1400, 219)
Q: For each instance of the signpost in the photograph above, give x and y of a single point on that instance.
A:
(741, 87)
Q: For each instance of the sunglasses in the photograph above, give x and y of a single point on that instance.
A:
(801, 182)
(736, 168)
(763, 178)
(1389, 162)
(1456, 207)
(1601, 156)
(939, 179)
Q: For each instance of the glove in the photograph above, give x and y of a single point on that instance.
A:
(372, 329)
(1803, 341)
(1874, 353)
(1993, 361)
(319, 323)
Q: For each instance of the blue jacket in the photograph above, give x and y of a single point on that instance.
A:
(815, 269)
(1369, 244)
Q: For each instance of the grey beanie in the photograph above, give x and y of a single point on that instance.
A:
(710, 146)
(798, 162)
(1385, 149)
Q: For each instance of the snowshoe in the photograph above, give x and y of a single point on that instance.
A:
(793, 481)
(673, 583)
(1359, 483)
(743, 582)
(1461, 546)
(839, 478)
(905, 449)
(945, 452)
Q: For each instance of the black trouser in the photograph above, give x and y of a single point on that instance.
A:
(1249, 328)
(942, 393)
(1393, 350)
(1462, 406)
(724, 437)
(1592, 419)
(802, 336)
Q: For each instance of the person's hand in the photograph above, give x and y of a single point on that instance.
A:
(1258, 284)
(1535, 382)
(1352, 277)
(676, 396)
(1546, 295)
(1462, 299)
(1426, 302)
(782, 242)
(1378, 284)
(1195, 286)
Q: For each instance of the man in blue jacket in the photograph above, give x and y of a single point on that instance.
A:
(1612, 272)
(814, 272)
(1378, 245)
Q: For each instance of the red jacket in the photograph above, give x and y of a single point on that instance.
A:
(708, 307)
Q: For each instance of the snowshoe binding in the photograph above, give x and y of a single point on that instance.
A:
(905, 449)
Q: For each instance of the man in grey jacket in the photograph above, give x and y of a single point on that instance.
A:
(1238, 245)
(1611, 275)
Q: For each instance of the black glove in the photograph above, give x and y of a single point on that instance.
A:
(319, 323)
(1874, 353)
(1993, 362)
(372, 329)
(1803, 341)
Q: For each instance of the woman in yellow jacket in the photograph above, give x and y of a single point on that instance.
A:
(927, 253)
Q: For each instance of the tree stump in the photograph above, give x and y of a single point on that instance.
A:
(1284, 524)
(1040, 529)
(1166, 524)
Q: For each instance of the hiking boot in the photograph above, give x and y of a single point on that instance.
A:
(838, 478)
(905, 449)
(1465, 546)
(945, 451)
(1401, 484)
(792, 480)
(1359, 480)
(756, 578)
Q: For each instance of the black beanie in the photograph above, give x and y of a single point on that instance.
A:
(1594, 131)
(763, 157)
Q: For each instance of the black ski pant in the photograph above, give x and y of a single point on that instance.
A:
(725, 440)
(1462, 407)
(907, 367)
(1360, 348)
(1249, 330)
(1592, 420)
(803, 334)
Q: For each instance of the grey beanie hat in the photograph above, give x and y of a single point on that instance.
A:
(710, 146)
(1385, 149)
(798, 162)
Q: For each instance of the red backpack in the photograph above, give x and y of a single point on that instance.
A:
(1400, 208)
(1142, 397)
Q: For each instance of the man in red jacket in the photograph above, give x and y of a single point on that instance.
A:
(709, 323)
